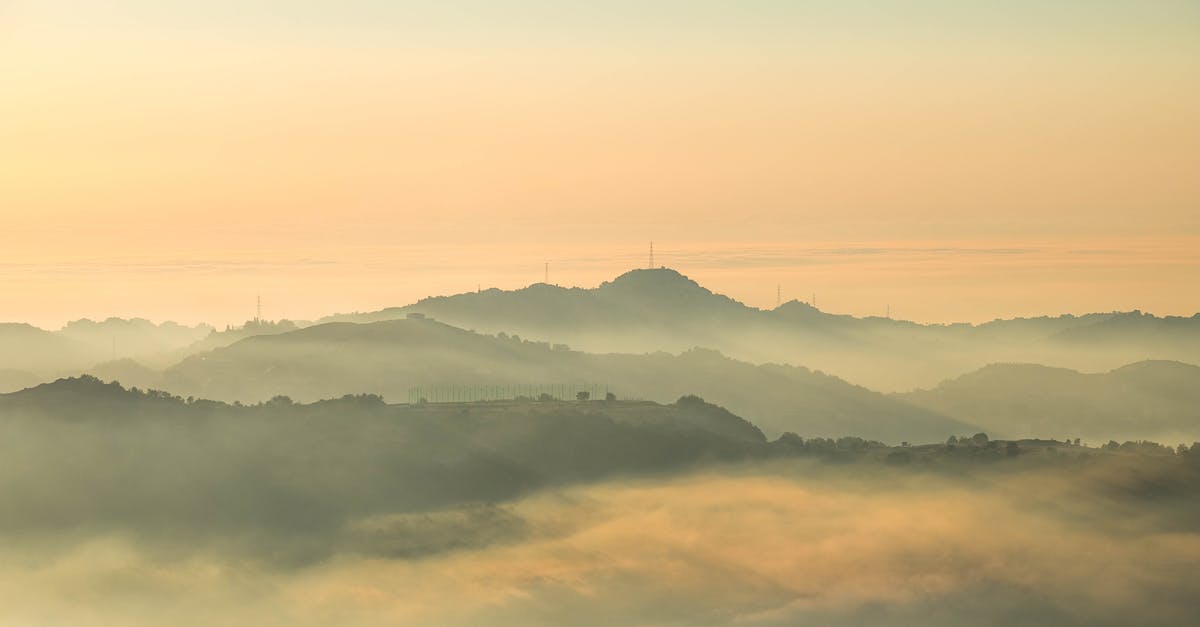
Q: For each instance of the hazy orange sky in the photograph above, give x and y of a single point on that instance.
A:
(956, 160)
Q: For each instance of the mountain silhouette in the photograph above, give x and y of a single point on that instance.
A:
(1144, 400)
(661, 309)
(26, 348)
(280, 482)
(636, 299)
(389, 357)
(644, 311)
(83, 343)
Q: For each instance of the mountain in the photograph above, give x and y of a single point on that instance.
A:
(390, 357)
(12, 380)
(1137, 329)
(661, 309)
(288, 483)
(1155, 400)
(217, 339)
(637, 301)
(28, 349)
(128, 371)
(39, 354)
(133, 338)
(29, 355)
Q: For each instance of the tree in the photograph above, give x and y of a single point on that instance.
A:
(609, 396)
(980, 439)
(583, 396)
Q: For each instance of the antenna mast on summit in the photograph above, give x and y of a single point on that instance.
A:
(651, 255)
(778, 295)
(547, 277)
(258, 309)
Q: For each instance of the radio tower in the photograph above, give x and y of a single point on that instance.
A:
(258, 310)
(547, 277)
(651, 255)
(778, 295)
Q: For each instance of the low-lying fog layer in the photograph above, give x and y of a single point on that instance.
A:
(768, 543)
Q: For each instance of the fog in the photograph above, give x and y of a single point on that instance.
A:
(125, 507)
(764, 544)
(662, 310)
(658, 335)
(293, 474)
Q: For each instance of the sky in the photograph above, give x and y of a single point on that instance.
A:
(950, 160)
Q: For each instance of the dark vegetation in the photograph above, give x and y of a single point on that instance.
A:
(289, 475)
(280, 479)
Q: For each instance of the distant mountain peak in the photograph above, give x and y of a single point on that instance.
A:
(653, 277)
(665, 289)
(797, 307)
(83, 386)
(659, 282)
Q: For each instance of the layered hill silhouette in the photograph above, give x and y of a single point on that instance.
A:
(657, 335)
(29, 355)
(1145, 400)
(134, 338)
(660, 309)
(282, 481)
(26, 351)
(390, 357)
(290, 485)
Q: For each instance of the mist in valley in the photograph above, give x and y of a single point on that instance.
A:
(126, 507)
(620, 313)
(657, 335)
(645, 453)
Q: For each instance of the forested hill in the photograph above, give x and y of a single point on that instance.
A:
(390, 357)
